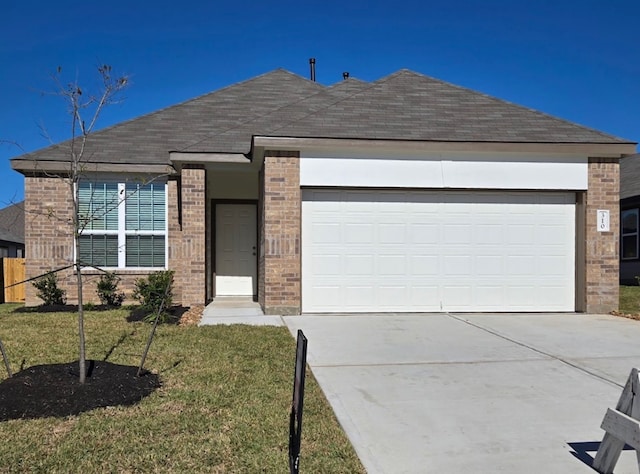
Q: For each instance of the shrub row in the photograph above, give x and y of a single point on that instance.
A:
(155, 292)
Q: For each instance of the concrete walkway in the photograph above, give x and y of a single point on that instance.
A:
(451, 393)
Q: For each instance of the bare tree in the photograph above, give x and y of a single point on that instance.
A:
(81, 104)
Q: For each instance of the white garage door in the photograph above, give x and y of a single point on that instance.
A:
(418, 251)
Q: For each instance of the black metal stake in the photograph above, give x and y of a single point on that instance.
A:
(295, 419)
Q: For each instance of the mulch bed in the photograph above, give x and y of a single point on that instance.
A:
(54, 390)
(626, 315)
(192, 316)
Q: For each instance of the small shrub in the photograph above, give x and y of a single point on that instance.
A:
(154, 292)
(107, 289)
(48, 290)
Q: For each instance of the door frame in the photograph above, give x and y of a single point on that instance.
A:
(214, 239)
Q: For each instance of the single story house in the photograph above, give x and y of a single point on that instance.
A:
(12, 231)
(629, 229)
(405, 194)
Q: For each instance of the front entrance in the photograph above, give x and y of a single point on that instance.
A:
(236, 249)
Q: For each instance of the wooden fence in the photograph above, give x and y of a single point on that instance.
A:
(12, 271)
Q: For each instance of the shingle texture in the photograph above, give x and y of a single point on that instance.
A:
(403, 106)
(630, 176)
(12, 223)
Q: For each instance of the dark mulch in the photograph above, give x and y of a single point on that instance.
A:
(54, 390)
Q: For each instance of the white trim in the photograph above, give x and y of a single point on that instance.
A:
(375, 168)
(122, 222)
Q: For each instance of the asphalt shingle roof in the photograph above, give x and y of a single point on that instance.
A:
(12, 223)
(403, 106)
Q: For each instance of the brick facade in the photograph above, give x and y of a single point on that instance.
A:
(48, 233)
(187, 235)
(601, 250)
(280, 217)
(49, 240)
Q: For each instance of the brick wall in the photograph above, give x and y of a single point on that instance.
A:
(174, 228)
(48, 233)
(280, 217)
(602, 261)
(187, 255)
(49, 240)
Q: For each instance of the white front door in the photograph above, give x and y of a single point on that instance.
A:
(236, 250)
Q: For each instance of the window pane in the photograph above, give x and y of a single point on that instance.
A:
(630, 246)
(98, 206)
(99, 250)
(145, 206)
(145, 251)
(630, 221)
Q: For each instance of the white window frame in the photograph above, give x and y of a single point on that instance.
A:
(122, 231)
(635, 234)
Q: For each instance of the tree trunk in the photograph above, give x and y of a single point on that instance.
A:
(82, 354)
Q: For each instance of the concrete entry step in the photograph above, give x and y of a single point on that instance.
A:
(237, 310)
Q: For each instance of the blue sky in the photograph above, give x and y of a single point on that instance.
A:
(578, 60)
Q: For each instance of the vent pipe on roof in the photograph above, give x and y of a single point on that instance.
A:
(312, 65)
(345, 75)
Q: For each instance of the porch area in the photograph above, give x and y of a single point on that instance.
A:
(237, 310)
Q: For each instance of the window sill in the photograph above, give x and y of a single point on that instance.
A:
(123, 271)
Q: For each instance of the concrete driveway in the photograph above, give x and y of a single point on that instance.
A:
(482, 393)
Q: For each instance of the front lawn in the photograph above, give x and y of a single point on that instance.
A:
(630, 300)
(223, 406)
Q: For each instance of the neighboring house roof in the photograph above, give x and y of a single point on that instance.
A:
(403, 106)
(12, 223)
(630, 176)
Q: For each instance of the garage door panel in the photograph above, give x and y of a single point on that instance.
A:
(393, 233)
(425, 266)
(424, 295)
(489, 265)
(326, 233)
(457, 266)
(367, 251)
(326, 265)
(457, 297)
(359, 296)
(420, 233)
(360, 233)
(359, 265)
(392, 265)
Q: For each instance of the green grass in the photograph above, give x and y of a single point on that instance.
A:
(630, 299)
(223, 407)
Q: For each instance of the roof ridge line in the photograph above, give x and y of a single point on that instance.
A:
(350, 96)
(249, 120)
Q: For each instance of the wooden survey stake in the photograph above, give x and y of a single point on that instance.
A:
(622, 426)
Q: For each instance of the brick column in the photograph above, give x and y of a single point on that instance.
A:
(280, 207)
(602, 260)
(192, 268)
(174, 230)
(48, 232)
